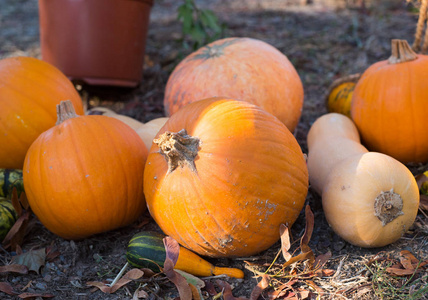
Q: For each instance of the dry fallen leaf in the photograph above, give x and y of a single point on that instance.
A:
(6, 288)
(33, 259)
(131, 275)
(14, 268)
(408, 265)
(34, 296)
(285, 242)
(22, 225)
(172, 251)
(227, 290)
(260, 287)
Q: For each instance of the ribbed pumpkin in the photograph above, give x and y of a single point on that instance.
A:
(390, 105)
(240, 68)
(221, 177)
(85, 175)
(30, 89)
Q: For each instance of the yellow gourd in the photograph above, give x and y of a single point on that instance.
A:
(339, 96)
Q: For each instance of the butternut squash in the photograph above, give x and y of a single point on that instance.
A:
(369, 199)
(134, 124)
(146, 131)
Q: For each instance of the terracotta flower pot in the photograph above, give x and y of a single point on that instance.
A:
(101, 42)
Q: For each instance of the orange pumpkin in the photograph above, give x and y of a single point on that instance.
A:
(390, 106)
(85, 175)
(221, 177)
(30, 89)
(239, 68)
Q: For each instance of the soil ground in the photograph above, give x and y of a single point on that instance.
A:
(324, 40)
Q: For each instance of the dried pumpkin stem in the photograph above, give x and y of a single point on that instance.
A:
(65, 110)
(388, 206)
(179, 149)
(401, 52)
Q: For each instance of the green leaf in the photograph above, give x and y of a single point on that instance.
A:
(185, 15)
(198, 34)
(210, 20)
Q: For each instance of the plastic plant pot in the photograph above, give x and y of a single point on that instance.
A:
(99, 42)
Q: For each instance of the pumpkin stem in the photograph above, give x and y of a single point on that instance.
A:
(388, 206)
(401, 52)
(179, 149)
(65, 110)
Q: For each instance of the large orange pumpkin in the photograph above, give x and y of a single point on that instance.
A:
(239, 68)
(30, 89)
(85, 175)
(390, 105)
(221, 177)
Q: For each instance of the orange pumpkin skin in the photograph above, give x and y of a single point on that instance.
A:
(29, 89)
(85, 176)
(249, 177)
(390, 107)
(239, 68)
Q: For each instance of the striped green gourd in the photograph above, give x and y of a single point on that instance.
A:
(10, 178)
(146, 250)
(8, 217)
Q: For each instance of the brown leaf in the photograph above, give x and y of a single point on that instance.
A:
(140, 294)
(210, 288)
(227, 291)
(260, 287)
(34, 295)
(33, 259)
(322, 259)
(196, 292)
(51, 253)
(315, 286)
(299, 257)
(16, 234)
(328, 272)
(282, 290)
(399, 272)
(14, 268)
(172, 249)
(423, 202)
(285, 241)
(15, 202)
(408, 260)
(309, 226)
(6, 288)
(303, 294)
(133, 274)
(101, 285)
(422, 180)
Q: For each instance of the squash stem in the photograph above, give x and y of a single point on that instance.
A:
(401, 52)
(388, 206)
(65, 110)
(179, 149)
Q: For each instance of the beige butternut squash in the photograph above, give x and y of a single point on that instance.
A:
(369, 199)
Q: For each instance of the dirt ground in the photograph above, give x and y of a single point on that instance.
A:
(324, 40)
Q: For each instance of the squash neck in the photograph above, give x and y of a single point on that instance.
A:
(65, 110)
(179, 149)
(388, 206)
(401, 52)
